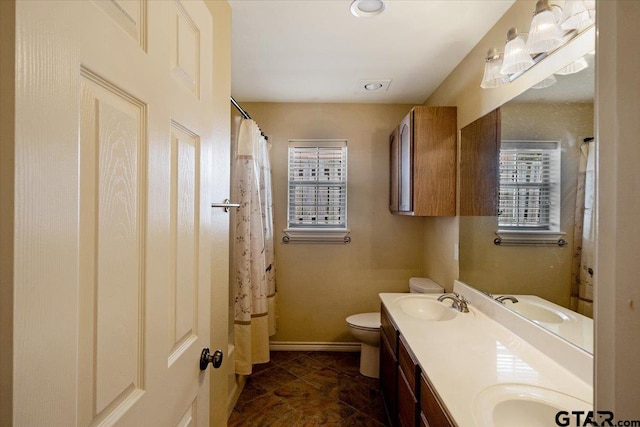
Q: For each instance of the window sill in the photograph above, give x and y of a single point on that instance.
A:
(310, 235)
(533, 238)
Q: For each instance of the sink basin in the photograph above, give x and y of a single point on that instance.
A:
(537, 312)
(508, 405)
(427, 308)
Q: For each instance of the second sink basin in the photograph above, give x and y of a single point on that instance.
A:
(537, 312)
(426, 308)
(507, 405)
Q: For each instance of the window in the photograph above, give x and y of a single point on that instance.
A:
(529, 196)
(317, 187)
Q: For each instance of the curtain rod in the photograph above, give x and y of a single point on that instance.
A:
(245, 114)
(235, 104)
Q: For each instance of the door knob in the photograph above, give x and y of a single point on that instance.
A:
(206, 357)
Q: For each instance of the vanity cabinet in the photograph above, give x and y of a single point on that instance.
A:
(423, 163)
(389, 366)
(409, 398)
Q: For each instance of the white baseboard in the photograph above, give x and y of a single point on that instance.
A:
(314, 346)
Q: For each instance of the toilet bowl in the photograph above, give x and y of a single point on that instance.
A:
(365, 327)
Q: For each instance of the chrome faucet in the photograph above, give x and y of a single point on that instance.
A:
(502, 298)
(459, 302)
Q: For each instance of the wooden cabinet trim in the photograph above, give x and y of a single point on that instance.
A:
(433, 409)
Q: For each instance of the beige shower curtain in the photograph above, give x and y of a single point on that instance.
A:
(253, 260)
(584, 234)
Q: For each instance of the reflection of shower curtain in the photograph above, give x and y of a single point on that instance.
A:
(584, 234)
(254, 268)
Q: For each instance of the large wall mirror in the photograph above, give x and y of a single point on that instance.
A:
(520, 229)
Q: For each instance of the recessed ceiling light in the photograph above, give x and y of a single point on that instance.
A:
(373, 86)
(367, 8)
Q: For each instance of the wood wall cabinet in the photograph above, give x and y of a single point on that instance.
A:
(423, 163)
(479, 163)
(409, 398)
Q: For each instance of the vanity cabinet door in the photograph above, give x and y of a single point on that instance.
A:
(408, 391)
(389, 329)
(389, 379)
(432, 410)
(389, 366)
(407, 403)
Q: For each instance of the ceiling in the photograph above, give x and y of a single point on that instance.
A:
(317, 51)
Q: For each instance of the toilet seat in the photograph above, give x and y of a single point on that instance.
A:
(365, 321)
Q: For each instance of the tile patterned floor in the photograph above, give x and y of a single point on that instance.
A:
(299, 389)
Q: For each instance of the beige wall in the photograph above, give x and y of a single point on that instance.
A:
(542, 271)
(319, 285)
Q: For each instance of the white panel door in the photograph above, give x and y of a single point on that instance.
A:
(113, 246)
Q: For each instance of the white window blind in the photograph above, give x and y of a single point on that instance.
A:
(317, 184)
(529, 196)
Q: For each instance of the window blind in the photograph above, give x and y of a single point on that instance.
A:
(317, 184)
(529, 185)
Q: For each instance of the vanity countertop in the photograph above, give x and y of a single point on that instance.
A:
(472, 353)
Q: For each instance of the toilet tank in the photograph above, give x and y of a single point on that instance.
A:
(424, 285)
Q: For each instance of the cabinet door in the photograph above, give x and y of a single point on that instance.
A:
(407, 403)
(406, 171)
(394, 169)
(431, 407)
(479, 151)
(388, 379)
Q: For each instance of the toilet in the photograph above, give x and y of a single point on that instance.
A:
(365, 327)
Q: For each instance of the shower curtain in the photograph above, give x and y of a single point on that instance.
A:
(253, 260)
(584, 234)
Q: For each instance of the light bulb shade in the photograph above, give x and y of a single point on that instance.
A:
(516, 57)
(549, 81)
(492, 77)
(545, 34)
(575, 67)
(577, 15)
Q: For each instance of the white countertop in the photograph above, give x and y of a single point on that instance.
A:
(466, 355)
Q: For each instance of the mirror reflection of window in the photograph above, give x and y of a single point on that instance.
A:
(529, 193)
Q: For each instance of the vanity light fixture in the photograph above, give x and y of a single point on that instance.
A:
(545, 34)
(367, 8)
(492, 76)
(516, 57)
(578, 15)
(575, 67)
